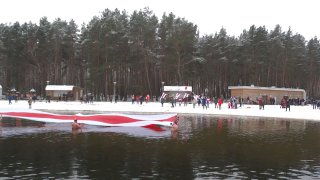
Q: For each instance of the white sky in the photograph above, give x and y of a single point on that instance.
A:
(210, 15)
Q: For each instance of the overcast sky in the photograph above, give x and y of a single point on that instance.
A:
(210, 15)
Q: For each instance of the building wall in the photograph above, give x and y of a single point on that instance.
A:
(253, 94)
(76, 94)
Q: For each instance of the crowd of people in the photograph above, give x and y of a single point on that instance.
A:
(234, 102)
(196, 100)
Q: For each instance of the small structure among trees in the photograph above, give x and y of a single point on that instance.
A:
(64, 92)
(178, 92)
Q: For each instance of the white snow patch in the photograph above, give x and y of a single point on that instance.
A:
(270, 111)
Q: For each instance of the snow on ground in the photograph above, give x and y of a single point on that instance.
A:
(274, 111)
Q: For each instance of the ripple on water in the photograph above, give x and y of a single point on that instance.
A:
(16, 177)
(79, 177)
(229, 171)
(6, 178)
(29, 175)
(44, 173)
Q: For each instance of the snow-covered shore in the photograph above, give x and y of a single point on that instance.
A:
(272, 111)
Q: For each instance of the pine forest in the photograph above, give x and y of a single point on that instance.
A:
(141, 52)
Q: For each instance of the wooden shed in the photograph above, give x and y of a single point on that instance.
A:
(64, 92)
(267, 93)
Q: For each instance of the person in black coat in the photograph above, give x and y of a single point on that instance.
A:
(314, 104)
(162, 101)
(288, 104)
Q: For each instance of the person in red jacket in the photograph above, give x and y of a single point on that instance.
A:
(220, 102)
(261, 104)
(147, 98)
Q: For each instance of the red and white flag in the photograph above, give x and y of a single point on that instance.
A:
(96, 119)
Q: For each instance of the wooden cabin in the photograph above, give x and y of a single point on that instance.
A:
(64, 92)
(266, 93)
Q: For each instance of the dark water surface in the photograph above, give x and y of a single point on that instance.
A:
(203, 147)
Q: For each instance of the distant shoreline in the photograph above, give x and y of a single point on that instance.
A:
(86, 112)
(249, 111)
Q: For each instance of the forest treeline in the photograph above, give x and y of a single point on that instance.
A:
(139, 51)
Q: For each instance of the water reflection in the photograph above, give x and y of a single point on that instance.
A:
(203, 147)
(265, 146)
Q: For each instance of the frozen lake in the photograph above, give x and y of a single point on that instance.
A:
(204, 147)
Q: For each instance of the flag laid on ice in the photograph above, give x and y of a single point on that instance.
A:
(96, 119)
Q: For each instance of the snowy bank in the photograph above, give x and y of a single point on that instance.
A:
(270, 111)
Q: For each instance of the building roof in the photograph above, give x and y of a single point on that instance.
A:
(59, 88)
(266, 88)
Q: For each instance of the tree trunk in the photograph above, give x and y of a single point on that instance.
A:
(147, 72)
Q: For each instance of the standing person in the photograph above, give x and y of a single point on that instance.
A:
(261, 104)
(215, 102)
(248, 100)
(314, 104)
(172, 102)
(147, 98)
(116, 99)
(30, 102)
(141, 99)
(10, 98)
(48, 99)
(199, 100)
(194, 102)
(204, 102)
(208, 102)
(16, 98)
(132, 98)
(220, 102)
(288, 104)
(185, 101)
(34, 97)
(162, 101)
